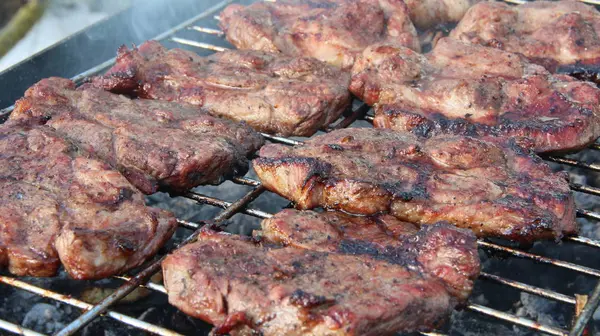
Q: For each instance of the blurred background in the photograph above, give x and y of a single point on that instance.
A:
(30, 26)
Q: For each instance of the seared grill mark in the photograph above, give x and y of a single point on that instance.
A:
(501, 190)
(475, 91)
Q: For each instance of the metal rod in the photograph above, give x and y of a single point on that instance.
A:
(18, 329)
(583, 240)
(528, 288)
(189, 22)
(149, 285)
(6, 111)
(516, 320)
(573, 163)
(586, 313)
(246, 181)
(210, 31)
(595, 146)
(84, 306)
(281, 140)
(585, 189)
(188, 225)
(224, 204)
(545, 260)
(198, 44)
(588, 214)
(591, 2)
(93, 71)
(150, 270)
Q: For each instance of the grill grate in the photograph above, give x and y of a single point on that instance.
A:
(242, 206)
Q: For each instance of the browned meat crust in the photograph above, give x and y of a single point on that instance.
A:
(497, 190)
(551, 33)
(272, 93)
(171, 145)
(440, 250)
(333, 31)
(61, 206)
(241, 286)
(476, 91)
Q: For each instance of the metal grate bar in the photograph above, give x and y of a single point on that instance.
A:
(545, 260)
(530, 289)
(281, 140)
(585, 189)
(198, 44)
(595, 146)
(517, 320)
(188, 225)
(205, 30)
(84, 306)
(149, 285)
(584, 240)
(573, 163)
(143, 276)
(588, 214)
(224, 204)
(586, 313)
(16, 329)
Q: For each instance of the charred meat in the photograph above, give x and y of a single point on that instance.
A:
(333, 31)
(554, 34)
(61, 206)
(272, 93)
(442, 251)
(477, 91)
(496, 190)
(175, 146)
(242, 286)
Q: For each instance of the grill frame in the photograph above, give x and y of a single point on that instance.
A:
(242, 206)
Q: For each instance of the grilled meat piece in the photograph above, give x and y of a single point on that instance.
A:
(551, 33)
(272, 93)
(498, 190)
(430, 13)
(333, 31)
(476, 91)
(241, 286)
(153, 143)
(442, 251)
(59, 205)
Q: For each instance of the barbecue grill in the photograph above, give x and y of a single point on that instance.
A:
(200, 33)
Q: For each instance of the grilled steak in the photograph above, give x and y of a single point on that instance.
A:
(241, 286)
(429, 13)
(442, 251)
(153, 143)
(551, 33)
(59, 205)
(499, 190)
(476, 91)
(333, 31)
(272, 93)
